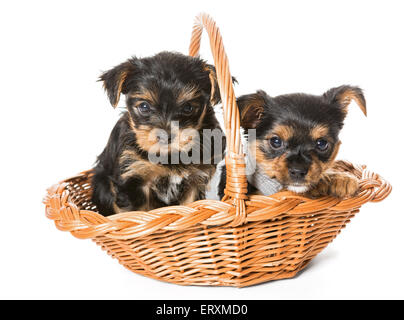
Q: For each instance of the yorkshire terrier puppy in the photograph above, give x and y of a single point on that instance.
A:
(295, 141)
(149, 160)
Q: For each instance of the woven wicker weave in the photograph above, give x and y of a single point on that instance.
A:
(239, 241)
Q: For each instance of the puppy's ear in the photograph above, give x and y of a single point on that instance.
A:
(343, 96)
(252, 108)
(214, 86)
(114, 81)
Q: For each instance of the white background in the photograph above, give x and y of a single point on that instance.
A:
(55, 119)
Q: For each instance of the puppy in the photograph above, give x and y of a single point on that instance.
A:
(154, 156)
(293, 139)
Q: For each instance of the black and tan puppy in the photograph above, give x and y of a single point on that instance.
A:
(296, 139)
(147, 161)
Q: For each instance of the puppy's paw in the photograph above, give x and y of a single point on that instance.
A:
(343, 185)
(321, 189)
(337, 184)
(122, 200)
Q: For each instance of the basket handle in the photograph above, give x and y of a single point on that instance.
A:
(236, 182)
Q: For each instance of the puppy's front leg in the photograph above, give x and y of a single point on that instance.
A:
(337, 184)
(103, 195)
(130, 194)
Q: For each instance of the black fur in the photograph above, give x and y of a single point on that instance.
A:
(301, 112)
(116, 183)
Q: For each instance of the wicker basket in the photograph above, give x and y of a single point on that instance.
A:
(239, 241)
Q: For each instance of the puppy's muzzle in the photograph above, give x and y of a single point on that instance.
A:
(297, 174)
(298, 166)
(166, 139)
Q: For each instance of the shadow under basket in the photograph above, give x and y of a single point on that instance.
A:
(239, 241)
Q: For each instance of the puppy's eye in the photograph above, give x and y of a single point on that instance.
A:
(322, 144)
(144, 108)
(276, 142)
(187, 109)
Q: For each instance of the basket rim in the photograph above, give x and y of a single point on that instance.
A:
(60, 207)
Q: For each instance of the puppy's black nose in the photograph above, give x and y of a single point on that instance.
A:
(297, 173)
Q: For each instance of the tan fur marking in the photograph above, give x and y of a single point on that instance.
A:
(191, 196)
(131, 123)
(346, 97)
(318, 168)
(315, 171)
(334, 153)
(145, 95)
(187, 93)
(319, 131)
(146, 137)
(113, 191)
(274, 168)
(256, 103)
(145, 168)
(129, 155)
(146, 190)
(282, 131)
(277, 168)
(201, 118)
(122, 79)
(213, 82)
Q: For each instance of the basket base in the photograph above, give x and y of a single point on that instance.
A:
(242, 256)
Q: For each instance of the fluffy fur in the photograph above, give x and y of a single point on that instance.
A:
(297, 139)
(160, 90)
